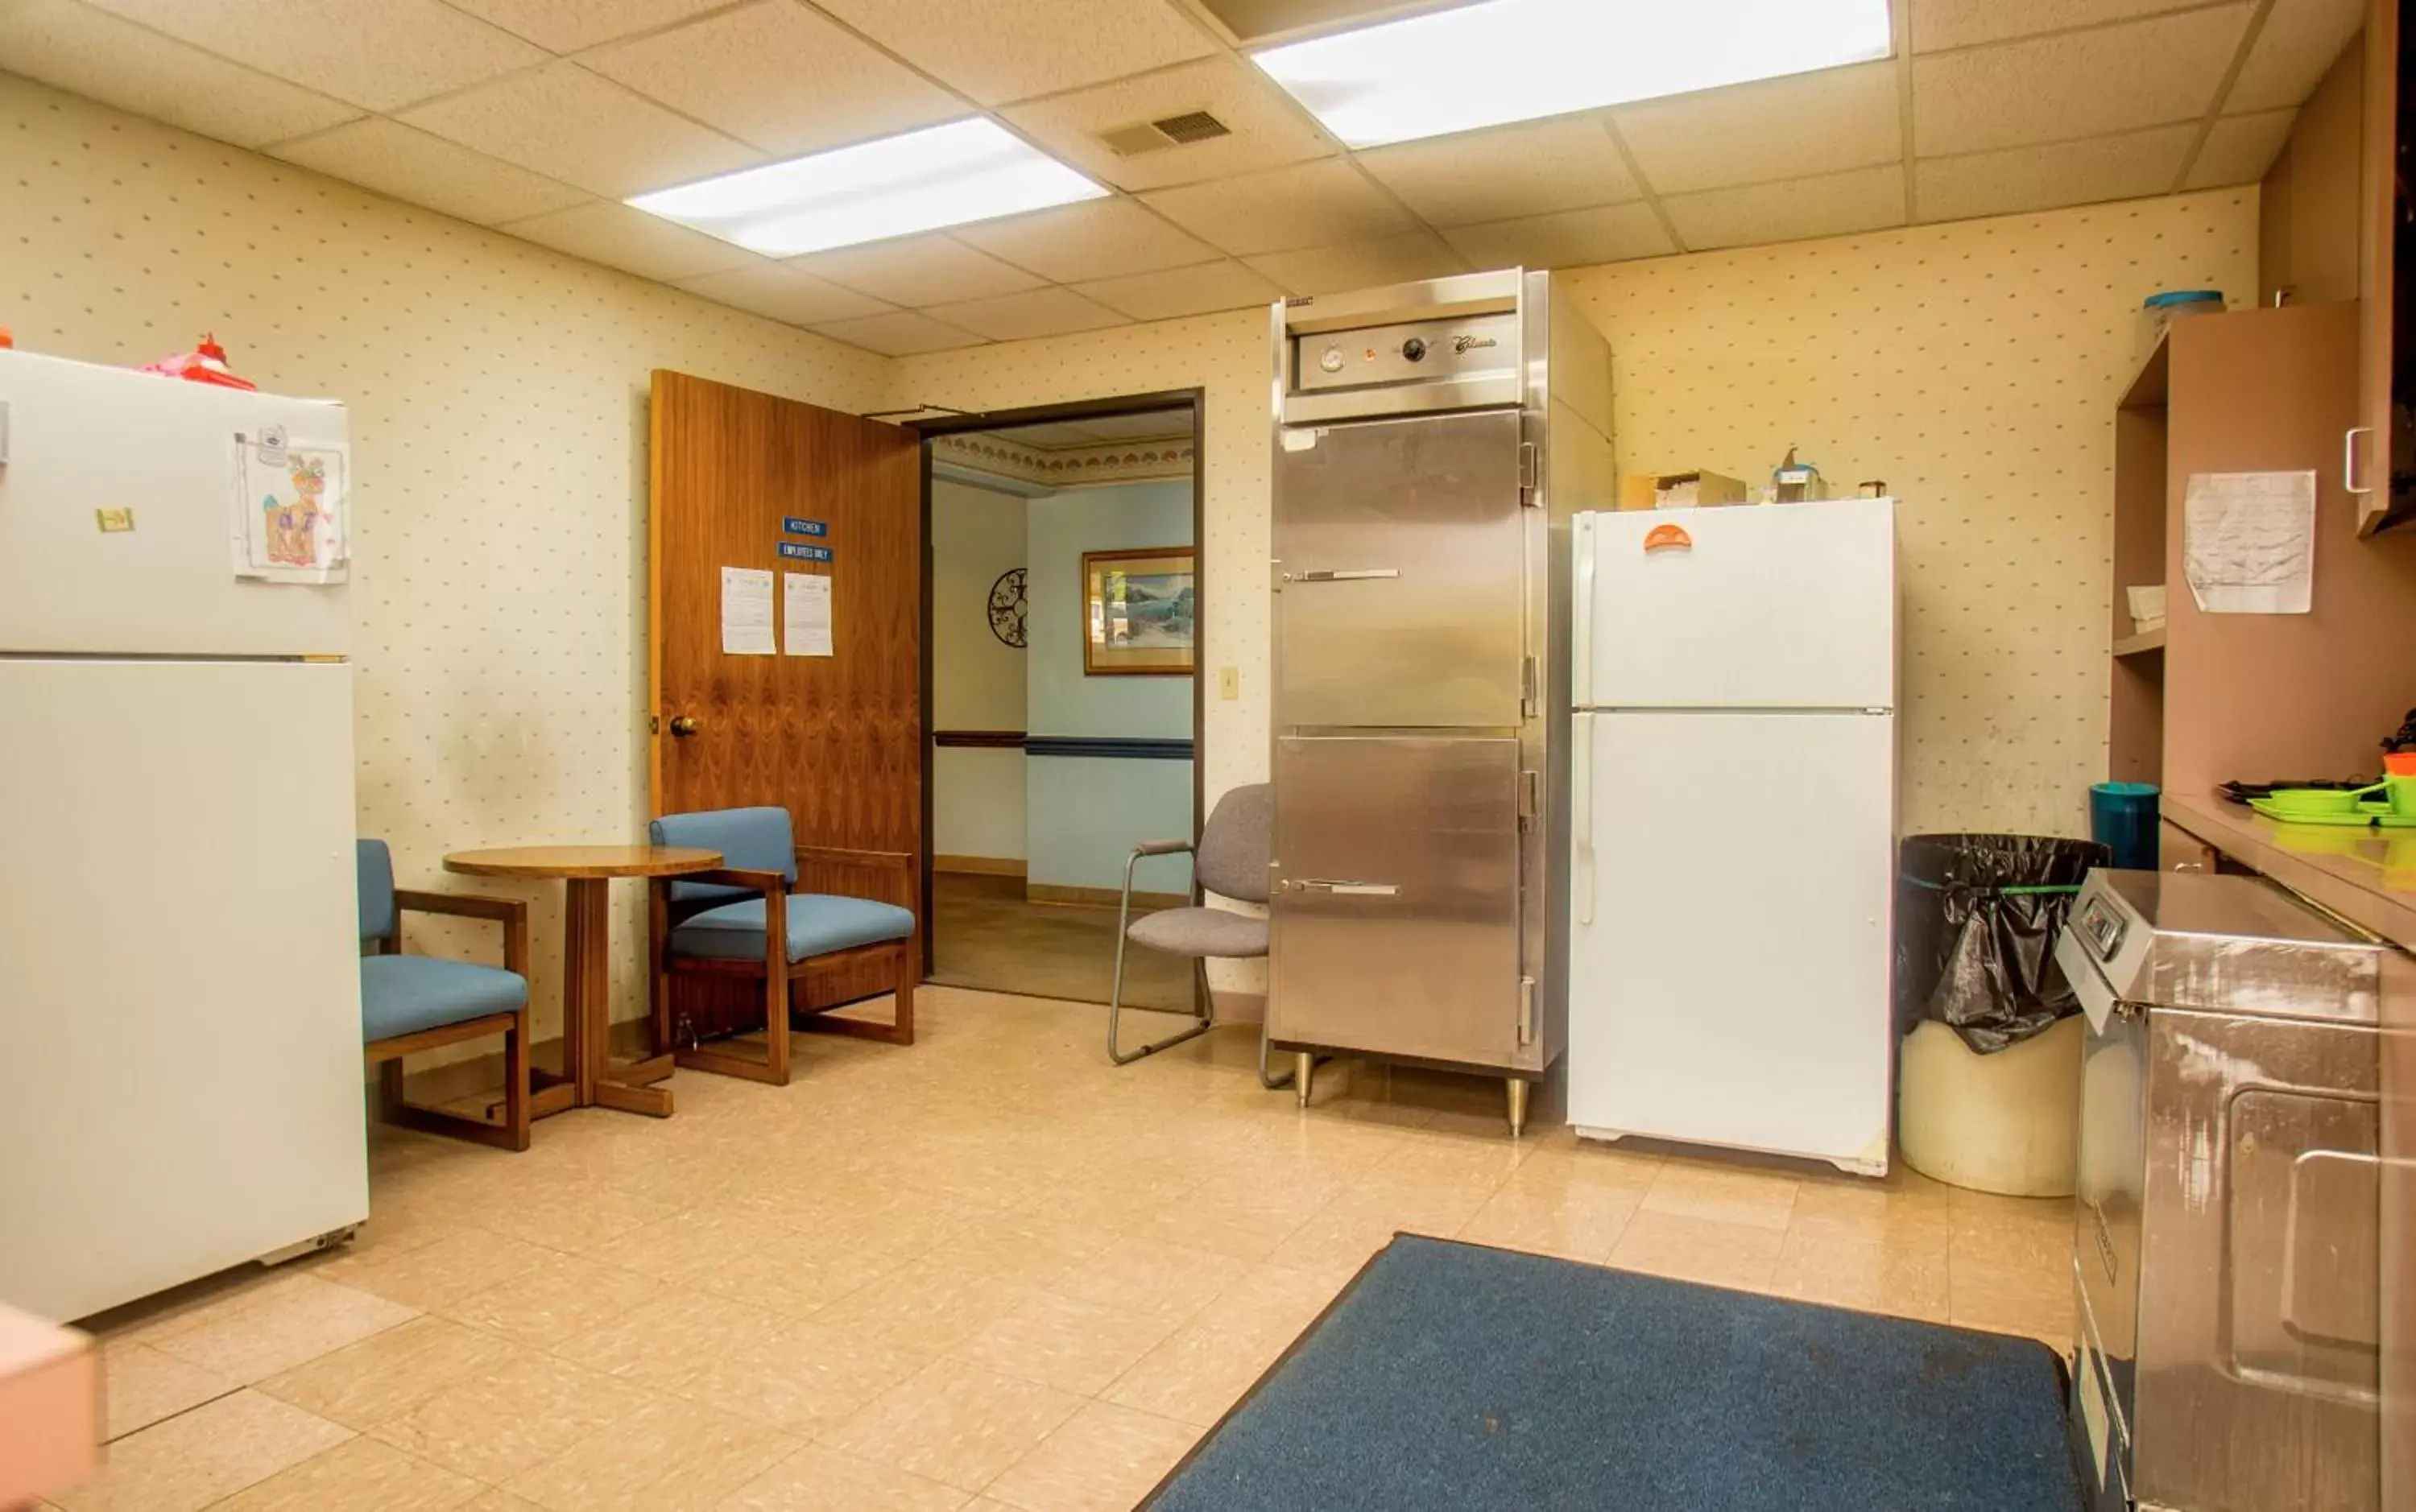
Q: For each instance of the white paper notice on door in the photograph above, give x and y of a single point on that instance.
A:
(747, 612)
(2248, 543)
(805, 613)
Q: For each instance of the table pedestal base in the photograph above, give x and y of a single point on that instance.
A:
(592, 1078)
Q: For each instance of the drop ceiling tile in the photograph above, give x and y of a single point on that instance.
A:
(1178, 292)
(567, 26)
(2298, 45)
(1835, 205)
(2239, 148)
(1314, 205)
(1326, 270)
(901, 334)
(117, 63)
(379, 54)
(565, 122)
(1943, 23)
(783, 293)
(2076, 84)
(779, 76)
(1256, 20)
(1035, 312)
(917, 270)
(1572, 239)
(409, 164)
(1529, 169)
(2041, 178)
(632, 241)
(1268, 131)
(1005, 50)
(1095, 239)
(1794, 127)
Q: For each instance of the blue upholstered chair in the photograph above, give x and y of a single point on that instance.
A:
(419, 1002)
(748, 922)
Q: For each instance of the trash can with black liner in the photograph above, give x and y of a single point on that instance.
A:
(1977, 916)
(1988, 1079)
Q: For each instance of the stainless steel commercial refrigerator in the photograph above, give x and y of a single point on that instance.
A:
(1431, 440)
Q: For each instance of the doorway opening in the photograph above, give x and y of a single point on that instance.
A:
(1062, 699)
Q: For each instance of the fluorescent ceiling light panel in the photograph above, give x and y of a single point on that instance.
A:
(942, 175)
(1519, 60)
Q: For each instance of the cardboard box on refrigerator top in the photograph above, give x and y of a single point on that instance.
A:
(1678, 490)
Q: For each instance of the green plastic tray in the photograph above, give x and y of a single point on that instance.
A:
(2366, 816)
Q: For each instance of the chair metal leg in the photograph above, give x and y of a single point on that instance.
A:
(1116, 1054)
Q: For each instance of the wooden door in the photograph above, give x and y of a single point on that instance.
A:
(837, 741)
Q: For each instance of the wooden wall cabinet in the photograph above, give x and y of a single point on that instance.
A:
(2253, 696)
(2377, 451)
(2327, 231)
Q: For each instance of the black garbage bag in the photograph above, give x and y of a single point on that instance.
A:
(1977, 916)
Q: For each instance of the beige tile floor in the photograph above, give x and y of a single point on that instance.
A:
(986, 935)
(988, 1271)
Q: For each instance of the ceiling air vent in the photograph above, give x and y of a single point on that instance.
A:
(1170, 132)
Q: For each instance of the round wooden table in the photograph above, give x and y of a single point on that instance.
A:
(590, 1076)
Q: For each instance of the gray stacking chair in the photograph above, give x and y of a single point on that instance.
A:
(1232, 858)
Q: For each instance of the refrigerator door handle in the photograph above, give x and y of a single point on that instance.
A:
(1348, 574)
(1581, 631)
(1582, 812)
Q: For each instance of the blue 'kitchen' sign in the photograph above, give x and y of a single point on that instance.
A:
(805, 553)
(792, 525)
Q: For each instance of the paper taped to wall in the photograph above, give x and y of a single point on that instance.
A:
(2248, 541)
(805, 613)
(747, 612)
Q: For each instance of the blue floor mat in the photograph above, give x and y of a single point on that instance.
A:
(1450, 1377)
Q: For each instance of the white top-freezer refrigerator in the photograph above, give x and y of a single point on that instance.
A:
(179, 975)
(1733, 775)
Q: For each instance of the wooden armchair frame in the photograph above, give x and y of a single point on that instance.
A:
(506, 1127)
(786, 995)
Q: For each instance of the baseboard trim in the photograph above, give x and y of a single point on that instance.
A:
(1100, 897)
(979, 865)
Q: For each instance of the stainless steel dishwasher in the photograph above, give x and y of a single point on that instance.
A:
(2225, 1254)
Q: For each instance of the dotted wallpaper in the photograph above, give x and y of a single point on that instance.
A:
(497, 397)
(1973, 366)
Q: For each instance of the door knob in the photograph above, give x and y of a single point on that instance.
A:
(683, 725)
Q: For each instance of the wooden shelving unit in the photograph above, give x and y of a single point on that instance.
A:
(2209, 698)
(2136, 718)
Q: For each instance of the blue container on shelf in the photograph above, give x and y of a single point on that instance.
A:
(2122, 817)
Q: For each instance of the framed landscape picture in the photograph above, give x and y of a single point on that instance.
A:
(1139, 612)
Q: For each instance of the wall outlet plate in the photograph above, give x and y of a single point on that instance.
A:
(1228, 682)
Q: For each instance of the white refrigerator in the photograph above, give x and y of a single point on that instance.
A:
(1733, 826)
(179, 981)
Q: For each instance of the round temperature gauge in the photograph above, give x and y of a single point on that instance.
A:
(1332, 361)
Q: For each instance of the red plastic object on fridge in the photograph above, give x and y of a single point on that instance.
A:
(204, 363)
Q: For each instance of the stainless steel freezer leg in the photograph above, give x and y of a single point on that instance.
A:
(1304, 1067)
(1517, 1088)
